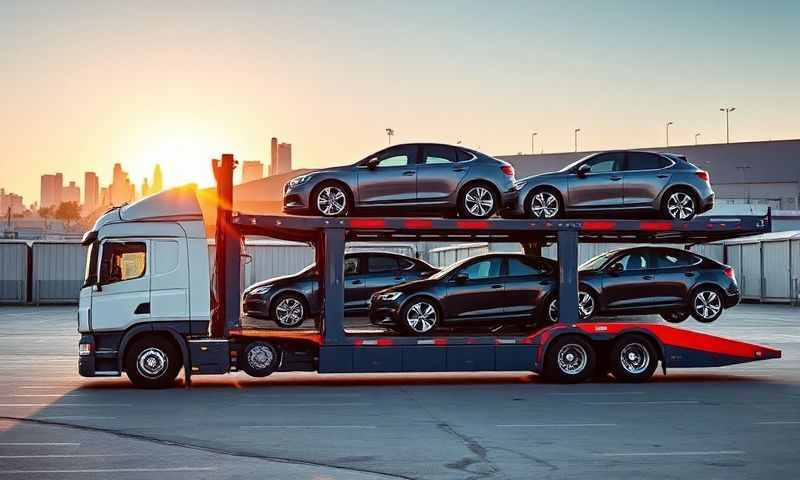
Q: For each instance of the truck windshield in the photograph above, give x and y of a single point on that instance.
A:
(91, 265)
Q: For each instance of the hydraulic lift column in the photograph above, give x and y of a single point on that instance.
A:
(568, 276)
(330, 261)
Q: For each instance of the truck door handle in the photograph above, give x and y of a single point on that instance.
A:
(615, 178)
(142, 308)
(647, 277)
(497, 286)
(408, 173)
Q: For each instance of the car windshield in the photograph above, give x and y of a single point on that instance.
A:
(596, 262)
(575, 163)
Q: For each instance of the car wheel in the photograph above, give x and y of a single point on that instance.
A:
(675, 317)
(570, 359)
(152, 362)
(478, 201)
(633, 359)
(420, 317)
(288, 310)
(260, 359)
(680, 205)
(586, 307)
(331, 200)
(544, 204)
(706, 304)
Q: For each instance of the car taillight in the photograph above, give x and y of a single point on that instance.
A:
(702, 175)
(730, 273)
(508, 170)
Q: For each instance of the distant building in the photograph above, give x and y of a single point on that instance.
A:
(51, 190)
(145, 188)
(91, 192)
(121, 189)
(280, 157)
(158, 181)
(12, 201)
(71, 193)
(273, 156)
(252, 170)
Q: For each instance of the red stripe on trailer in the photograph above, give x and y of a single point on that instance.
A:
(656, 226)
(598, 225)
(418, 224)
(679, 337)
(367, 223)
(382, 342)
(472, 224)
(440, 342)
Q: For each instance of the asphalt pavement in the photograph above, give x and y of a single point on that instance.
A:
(733, 422)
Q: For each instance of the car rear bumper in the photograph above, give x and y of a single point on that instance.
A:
(732, 297)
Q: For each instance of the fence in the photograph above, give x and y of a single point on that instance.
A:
(14, 259)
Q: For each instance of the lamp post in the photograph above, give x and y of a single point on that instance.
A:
(695, 137)
(576, 138)
(389, 133)
(667, 127)
(533, 136)
(727, 111)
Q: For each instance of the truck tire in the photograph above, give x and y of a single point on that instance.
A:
(633, 359)
(152, 362)
(259, 359)
(569, 359)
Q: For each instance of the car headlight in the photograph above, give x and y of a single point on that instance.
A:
(388, 297)
(519, 185)
(260, 290)
(299, 180)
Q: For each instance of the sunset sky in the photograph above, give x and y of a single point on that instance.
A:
(87, 84)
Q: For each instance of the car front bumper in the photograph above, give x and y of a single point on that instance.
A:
(297, 200)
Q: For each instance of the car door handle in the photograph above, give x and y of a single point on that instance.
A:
(399, 278)
(615, 178)
(545, 282)
(663, 175)
(689, 274)
(647, 277)
(458, 169)
(497, 286)
(356, 282)
(408, 173)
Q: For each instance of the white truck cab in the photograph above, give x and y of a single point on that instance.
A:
(147, 287)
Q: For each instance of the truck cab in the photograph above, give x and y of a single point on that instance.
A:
(146, 287)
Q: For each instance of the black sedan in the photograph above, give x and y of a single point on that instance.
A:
(292, 299)
(493, 288)
(642, 280)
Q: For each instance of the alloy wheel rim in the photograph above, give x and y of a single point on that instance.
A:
(331, 201)
(634, 358)
(572, 359)
(421, 317)
(585, 307)
(152, 362)
(289, 311)
(260, 357)
(707, 304)
(680, 205)
(479, 201)
(544, 205)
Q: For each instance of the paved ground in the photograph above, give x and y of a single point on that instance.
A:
(734, 422)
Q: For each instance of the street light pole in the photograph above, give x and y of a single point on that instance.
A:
(727, 111)
(533, 136)
(576, 138)
(695, 137)
(668, 124)
(389, 133)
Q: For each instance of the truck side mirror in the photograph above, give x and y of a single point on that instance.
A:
(97, 287)
(583, 170)
(616, 268)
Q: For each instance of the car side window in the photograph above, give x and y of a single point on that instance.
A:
(668, 259)
(606, 162)
(381, 263)
(519, 268)
(438, 154)
(351, 266)
(483, 269)
(463, 155)
(634, 261)
(399, 156)
(646, 161)
(122, 261)
(405, 264)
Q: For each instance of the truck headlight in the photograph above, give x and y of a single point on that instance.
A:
(299, 180)
(389, 297)
(260, 290)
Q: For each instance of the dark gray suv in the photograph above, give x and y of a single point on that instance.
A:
(423, 177)
(615, 182)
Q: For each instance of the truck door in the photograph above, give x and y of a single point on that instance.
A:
(122, 294)
(169, 280)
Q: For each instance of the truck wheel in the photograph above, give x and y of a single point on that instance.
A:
(260, 359)
(633, 359)
(675, 317)
(152, 362)
(570, 359)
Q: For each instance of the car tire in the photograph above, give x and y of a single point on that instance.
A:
(675, 317)
(153, 362)
(544, 204)
(586, 311)
(569, 359)
(420, 316)
(289, 310)
(680, 204)
(478, 200)
(633, 359)
(260, 359)
(706, 304)
(331, 199)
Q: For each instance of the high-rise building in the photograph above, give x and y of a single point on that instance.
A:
(280, 157)
(273, 156)
(121, 189)
(158, 181)
(252, 170)
(91, 192)
(71, 193)
(12, 201)
(145, 188)
(51, 190)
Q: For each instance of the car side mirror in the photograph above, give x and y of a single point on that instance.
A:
(372, 163)
(616, 268)
(583, 170)
(462, 278)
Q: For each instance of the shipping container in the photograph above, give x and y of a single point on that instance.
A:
(58, 271)
(768, 266)
(13, 271)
